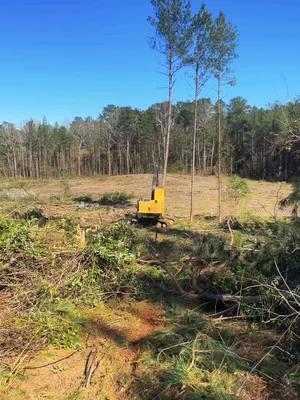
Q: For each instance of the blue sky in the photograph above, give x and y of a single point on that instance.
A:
(67, 58)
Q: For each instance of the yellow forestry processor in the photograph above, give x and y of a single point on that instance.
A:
(152, 211)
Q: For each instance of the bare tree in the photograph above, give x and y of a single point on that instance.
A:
(78, 130)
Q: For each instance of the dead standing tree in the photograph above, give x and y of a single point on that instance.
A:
(110, 117)
(78, 130)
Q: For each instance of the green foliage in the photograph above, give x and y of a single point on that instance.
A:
(237, 188)
(224, 43)
(172, 25)
(293, 200)
(58, 324)
(116, 199)
(113, 246)
(32, 214)
(57, 285)
(201, 51)
(112, 253)
(188, 356)
(177, 167)
(15, 235)
(74, 396)
(86, 286)
(266, 242)
(68, 225)
(249, 265)
(4, 375)
(83, 278)
(212, 247)
(247, 129)
(18, 184)
(293, 378)
(191, 332)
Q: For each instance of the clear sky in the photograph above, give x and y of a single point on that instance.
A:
(67, 58)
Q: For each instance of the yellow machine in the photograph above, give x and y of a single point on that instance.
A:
(154, 208)
(152, 211)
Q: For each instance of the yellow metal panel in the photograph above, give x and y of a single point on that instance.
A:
(154, 206)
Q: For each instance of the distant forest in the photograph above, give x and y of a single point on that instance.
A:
(260, 143)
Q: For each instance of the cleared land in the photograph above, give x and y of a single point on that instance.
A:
(62, 302)
(263, 200)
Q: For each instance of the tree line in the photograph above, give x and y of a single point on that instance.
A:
(259, 143)
(196, 137)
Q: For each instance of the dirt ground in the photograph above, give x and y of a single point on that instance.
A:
(114, 333)
(263, 200)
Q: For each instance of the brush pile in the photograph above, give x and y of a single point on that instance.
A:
(42, 285)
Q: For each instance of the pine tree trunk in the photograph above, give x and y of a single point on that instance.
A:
(127, 156)
(212, 156)
(194, 140)
(109, 158)
(166, 156)
(219, 153)
(79, 160)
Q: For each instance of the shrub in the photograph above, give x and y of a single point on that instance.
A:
(116, 199)
(178, 167)
(237, 189)
(58, 324)
(84, 198)
(293, 200)
(114, 246)
(15, 235)
(34, 214)
(68, 225)
(113, 252)
(65, 188)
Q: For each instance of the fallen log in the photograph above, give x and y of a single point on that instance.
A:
(210, 296)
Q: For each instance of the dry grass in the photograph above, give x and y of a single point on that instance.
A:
(262, 201)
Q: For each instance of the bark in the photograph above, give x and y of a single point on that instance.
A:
(212, 156)
(219, 153)
(127, 156)
(166, 155)
(194, 140)
(109, 158)
(79, 159)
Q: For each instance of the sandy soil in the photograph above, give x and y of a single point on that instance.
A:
(115, 333)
